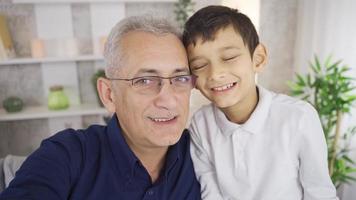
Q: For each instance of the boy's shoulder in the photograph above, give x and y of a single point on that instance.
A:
(278, 106)
(283, 103)
(205, 112)
(204, 118)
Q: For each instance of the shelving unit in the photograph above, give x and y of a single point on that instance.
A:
(59, 26)
(63, 70)
(23, 61)
(89, 1)
(40, 112)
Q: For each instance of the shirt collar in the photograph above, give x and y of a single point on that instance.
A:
(124, 157)
(256, 121)
(174, 154)
(123, 154)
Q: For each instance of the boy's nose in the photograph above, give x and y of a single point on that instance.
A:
(216, 73)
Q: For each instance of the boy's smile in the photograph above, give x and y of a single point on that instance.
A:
(226, 70)
(223, 88)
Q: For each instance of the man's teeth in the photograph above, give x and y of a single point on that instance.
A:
(161, 119)
(223, 87)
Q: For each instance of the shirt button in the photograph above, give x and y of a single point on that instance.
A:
(150, 192)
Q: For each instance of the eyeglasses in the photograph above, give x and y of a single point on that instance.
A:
(151, 85)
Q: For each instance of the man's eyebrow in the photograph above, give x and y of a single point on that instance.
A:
(183, 69)
(157, 73)
(147, 71)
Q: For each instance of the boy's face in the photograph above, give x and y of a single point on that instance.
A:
(224, 68)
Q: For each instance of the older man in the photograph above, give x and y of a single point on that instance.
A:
(143, 153)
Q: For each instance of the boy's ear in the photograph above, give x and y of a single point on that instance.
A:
(106, 93)
(259, 58)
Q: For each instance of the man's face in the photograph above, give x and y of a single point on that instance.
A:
(224, 68)
(151, 120)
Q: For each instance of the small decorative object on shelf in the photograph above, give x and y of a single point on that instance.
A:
(13, 104)
(37, 48)
(6, 45)
(98, 45)
(98, 74)
(57, 99)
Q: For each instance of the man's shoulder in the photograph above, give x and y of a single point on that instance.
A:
(82, 135)
(72, 148)
(75, 140)
(56, 166)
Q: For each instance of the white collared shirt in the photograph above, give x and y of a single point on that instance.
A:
(280, 153)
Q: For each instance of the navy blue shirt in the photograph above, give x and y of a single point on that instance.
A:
(97, 163)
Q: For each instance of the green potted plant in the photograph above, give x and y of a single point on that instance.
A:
(183, 8)
(328, 88)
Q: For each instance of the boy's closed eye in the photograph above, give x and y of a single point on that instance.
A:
(198, 65)
(230, 58)
(230, 53)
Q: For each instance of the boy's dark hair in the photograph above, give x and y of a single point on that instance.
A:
(207, 21)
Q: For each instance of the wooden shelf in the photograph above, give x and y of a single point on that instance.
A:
(88, 1)
(21, 61)
(40, 112)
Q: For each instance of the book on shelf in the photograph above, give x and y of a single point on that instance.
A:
(3, 54)
(6, 46)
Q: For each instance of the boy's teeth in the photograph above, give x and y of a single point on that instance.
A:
(223, 87)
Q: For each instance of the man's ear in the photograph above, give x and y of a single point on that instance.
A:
(106, 93)
(259, 58)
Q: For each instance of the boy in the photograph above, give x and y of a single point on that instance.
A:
(250, 143)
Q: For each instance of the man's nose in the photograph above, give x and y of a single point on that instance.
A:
(166, 98)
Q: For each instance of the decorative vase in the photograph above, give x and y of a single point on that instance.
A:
(57, 99)
(13, 104)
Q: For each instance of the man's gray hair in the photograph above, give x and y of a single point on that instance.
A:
(113, 54)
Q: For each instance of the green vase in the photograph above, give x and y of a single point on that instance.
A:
(13, 104)
(57, 99)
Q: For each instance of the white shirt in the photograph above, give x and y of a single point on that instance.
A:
(280, 153)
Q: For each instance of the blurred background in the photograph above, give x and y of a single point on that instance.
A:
(51, 54)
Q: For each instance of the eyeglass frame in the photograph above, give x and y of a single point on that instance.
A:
(161, 78)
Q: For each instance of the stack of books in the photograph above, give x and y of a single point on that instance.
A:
(6, 46)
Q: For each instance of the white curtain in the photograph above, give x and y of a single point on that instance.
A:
(328, 27)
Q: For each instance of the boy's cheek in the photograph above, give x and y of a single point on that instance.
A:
(197, 86)
(199, 83)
